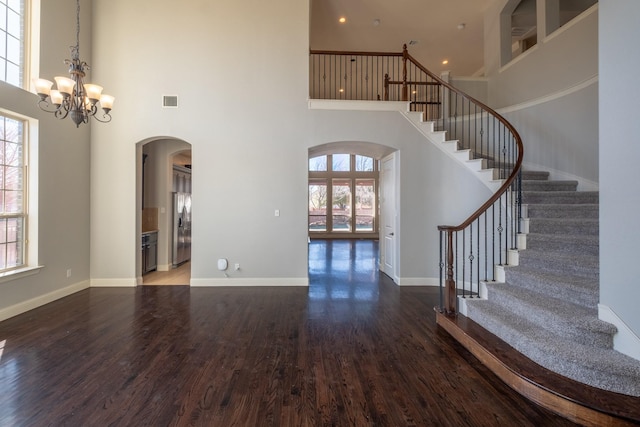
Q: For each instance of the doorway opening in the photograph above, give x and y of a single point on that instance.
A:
(165, 212)
(352, 190)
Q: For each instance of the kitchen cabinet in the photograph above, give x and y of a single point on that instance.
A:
(149, 251)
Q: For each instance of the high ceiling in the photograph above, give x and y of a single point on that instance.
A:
(432, 23)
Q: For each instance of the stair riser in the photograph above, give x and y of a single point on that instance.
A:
(535, 175)
(559, 197)
(573, 248)
(583, 295)
(563, 211)
(568, 330)
(585, 227)
(559, 266)
(548, 186)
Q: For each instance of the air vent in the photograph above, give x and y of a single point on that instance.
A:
(170, 101)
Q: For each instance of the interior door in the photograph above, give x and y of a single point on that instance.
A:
(389, 215)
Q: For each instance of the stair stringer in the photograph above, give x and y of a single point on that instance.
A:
(450, 148)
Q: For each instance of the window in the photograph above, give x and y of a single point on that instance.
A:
(12, 193)
(524, 32)
(561, 12)
(342, 196)
(12, 41)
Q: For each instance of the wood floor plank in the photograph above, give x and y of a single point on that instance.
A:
(352, 349)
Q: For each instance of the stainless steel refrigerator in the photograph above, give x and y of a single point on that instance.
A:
(181, 228)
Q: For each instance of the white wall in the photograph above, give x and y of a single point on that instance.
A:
(550, 93)
(63, 171)
(620, 175)
(250, 131)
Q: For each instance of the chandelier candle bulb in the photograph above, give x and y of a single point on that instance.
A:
(43, 87)
(106, 101)
(93, 91)
(56, 97)
(65, 85)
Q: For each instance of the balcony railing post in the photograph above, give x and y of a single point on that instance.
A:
(386, 87)
(405, 87)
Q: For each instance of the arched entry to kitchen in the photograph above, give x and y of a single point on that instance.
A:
(164, 200)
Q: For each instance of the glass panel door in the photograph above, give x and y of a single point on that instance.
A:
(365, 204)
(318, 205)
(341, 206)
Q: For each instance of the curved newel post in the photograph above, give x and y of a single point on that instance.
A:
(450, 293)
(405, 87)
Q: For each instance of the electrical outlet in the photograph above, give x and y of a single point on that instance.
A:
(68, 272)
(237, 266)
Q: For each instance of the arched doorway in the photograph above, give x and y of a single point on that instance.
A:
(164, 196)
(344, 199)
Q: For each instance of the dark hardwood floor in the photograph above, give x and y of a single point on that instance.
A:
(352, 349)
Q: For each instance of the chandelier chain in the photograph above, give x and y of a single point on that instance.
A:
(75, 50)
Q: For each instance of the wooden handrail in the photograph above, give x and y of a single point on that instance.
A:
(450, 284)
(352, 53)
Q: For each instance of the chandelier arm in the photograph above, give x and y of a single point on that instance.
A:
(45, 106)
(105, 116)
(61, 113)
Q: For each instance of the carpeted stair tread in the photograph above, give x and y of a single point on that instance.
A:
(541, 185)
(599, 367)
(587, 226)
(578, 289)
(571, 210)
(582, 244)
(561, 197)
(559, 316)
(557, 262)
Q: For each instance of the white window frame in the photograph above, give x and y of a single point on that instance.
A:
(30, 199)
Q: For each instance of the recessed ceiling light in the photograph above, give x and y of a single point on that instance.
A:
(376, 22)
(461, 26)
(342, 20)
(445, 62)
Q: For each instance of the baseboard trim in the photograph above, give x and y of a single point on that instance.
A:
(254, 281)
(418, 281)
(625, 341)
(41, 300)
(114, 283)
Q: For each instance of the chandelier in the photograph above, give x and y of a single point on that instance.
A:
(73, 97)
